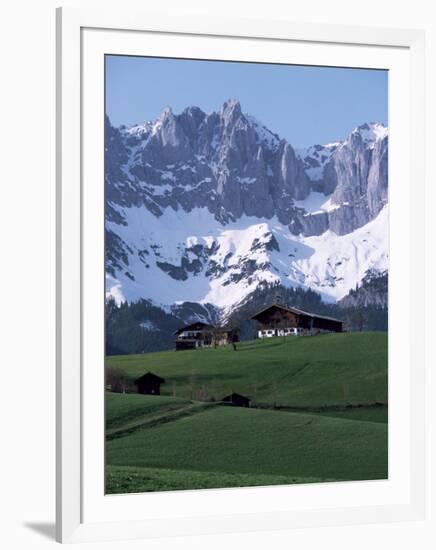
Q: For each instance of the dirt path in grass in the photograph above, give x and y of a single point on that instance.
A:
(157, 419)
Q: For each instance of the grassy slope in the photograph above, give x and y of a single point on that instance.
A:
(331, 369)
(128, 479)
(256, 442)
(370, 414)
(123, 409)
(171, 443)
(146, 411)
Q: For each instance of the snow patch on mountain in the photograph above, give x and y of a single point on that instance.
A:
(338, 261)
(316, 157)
(148, 325)
(316, 203)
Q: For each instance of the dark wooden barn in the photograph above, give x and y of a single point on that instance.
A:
(237, 400)
(149, 384)
(279, 320)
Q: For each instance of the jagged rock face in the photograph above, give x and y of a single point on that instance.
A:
(309, 224)
(231, 164)
(227, 162)
(255, 209)
(361, 182)
(355, 173)
(377, 189)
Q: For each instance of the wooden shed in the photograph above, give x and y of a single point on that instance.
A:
(237, 400)
(149, 384)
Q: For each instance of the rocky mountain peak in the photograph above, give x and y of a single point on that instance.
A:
(371, 132)
(231, 110)
(233, 165)
(166, 115)
(207, 207)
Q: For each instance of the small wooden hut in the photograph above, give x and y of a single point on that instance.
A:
(237, 400)
(149, 384)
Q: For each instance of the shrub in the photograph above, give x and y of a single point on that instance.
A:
(117, 381)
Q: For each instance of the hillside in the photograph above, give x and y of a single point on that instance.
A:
(326, 370)
(141, 327)
(253, 442)
(319, 413)
(331, 369)
(373, 290)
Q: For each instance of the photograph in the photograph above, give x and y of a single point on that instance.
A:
(246, 274)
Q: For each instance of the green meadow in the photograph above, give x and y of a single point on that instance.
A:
(319, 413)
(331, 369)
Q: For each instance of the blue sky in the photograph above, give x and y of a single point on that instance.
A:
(305, 105)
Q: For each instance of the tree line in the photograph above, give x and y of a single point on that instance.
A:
(140, 327)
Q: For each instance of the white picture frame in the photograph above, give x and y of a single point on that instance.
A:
(83, 512)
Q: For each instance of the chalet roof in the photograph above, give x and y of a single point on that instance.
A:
(193, 326)
(295, 310)
(150, 377)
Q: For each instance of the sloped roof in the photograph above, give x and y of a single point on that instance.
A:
(193, 325)
(296, 311)
(149, 376)
(233, 395)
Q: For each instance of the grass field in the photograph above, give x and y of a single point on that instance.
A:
(128, 479)
(331, 369)
(175, 441)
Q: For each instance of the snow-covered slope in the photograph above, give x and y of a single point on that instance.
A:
(181, 256)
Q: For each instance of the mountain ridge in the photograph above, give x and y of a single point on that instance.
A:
(256, 211)
(232, 164)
